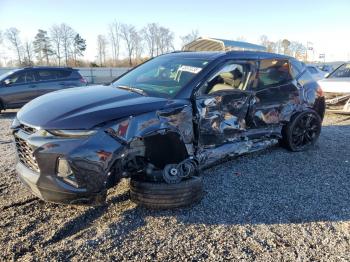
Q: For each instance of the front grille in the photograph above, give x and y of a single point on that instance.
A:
(25, 154)
(28, 129)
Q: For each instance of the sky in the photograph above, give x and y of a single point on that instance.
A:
(326, 24)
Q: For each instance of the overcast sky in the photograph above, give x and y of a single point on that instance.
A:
(324, 23)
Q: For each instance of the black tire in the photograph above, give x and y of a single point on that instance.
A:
(302, 131)
(165, 196)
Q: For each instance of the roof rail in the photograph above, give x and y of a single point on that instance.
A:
(63, 67)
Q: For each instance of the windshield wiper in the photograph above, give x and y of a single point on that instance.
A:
(133, 89)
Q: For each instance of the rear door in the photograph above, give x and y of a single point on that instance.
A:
(222, 104)
(22, 88)
(274, 88)
(47, 81)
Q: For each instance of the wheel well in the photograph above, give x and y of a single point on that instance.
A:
(162, 149)
(320, 106)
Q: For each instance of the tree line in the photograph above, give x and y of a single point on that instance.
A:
(147, 42)
(286, 47)
(61, 45)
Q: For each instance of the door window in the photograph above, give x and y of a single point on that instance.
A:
(273, 73)
(21, 78)
(63, 74)
(232, 76)
(18, 78)
(47, 75)
(30, 77)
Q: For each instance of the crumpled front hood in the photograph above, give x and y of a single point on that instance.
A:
(85, 107)
(335, 85)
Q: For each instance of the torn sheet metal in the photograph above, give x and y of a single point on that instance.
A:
(338, 103)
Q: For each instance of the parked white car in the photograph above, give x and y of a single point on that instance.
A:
(336, 87)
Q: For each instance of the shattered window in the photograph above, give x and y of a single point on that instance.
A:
(163, 76)
(342, 71)
(273, 73)
(229, 77)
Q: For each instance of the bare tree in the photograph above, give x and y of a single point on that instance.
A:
(28, 53)
(241, 38)
(127, 33)
(298, 50)
(270, 45)
(138, 44)
(150, 33)
(264, 40)
(56, 39)
(101, 49)
(190, 37)
(68, 35)
(279, 47)
(114, 35)
(165, 41)
(12, 35)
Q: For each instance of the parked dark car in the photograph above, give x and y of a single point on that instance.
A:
(161, 123)
(19, 86)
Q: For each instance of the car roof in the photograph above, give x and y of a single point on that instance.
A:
(257, 55)
(49, 67)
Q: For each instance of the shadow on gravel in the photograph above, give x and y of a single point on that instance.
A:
(302, 187)
(8, 115)
(83, 221)
(274, 186)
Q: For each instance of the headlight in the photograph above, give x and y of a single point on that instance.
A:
(120, 130)
(15, 124)
(72, 133)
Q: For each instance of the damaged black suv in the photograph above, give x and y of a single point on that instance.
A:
(161, 123)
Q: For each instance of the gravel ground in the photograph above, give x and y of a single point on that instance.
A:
(271, 205)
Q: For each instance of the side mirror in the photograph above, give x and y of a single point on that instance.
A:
(326, 75)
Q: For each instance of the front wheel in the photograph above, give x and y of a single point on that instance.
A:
(160, 195)
(302, 131)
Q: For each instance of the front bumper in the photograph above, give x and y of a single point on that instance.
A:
(58, 193)
(90, 159)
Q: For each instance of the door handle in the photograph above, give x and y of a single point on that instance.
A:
(62, 84)
(32, 86)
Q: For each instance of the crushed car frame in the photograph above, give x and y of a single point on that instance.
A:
(161, 123)
(336, 87)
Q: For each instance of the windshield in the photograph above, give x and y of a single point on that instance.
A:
(3, 76)
(164, 76)
(342, 71)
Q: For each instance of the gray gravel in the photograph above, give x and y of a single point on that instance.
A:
(271, 205)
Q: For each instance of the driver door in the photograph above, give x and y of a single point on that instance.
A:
(222, 104)
(20, 90)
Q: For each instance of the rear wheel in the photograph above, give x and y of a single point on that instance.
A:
(160, 195)
(302, 131)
